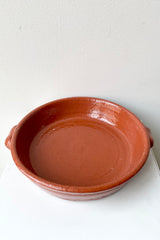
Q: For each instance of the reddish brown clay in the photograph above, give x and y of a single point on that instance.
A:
(9, 138)
(80, 148)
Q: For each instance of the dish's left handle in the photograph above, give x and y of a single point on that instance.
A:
(9, 138)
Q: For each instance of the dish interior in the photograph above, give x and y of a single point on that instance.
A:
(81, 142)
(80, 151)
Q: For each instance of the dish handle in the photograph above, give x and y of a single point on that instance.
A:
(150, 137)
(9, 138)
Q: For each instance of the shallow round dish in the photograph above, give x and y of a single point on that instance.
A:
(80, 148)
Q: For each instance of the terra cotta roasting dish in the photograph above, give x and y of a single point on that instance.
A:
(80, 148)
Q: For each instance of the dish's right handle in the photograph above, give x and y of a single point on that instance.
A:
(150, 136)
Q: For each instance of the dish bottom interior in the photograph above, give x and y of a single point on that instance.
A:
(80, 152)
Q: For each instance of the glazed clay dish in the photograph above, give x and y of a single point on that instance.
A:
(80, 148)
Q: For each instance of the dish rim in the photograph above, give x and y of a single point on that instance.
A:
(77, 189)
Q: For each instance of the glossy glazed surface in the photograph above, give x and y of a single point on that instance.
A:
(80, 148)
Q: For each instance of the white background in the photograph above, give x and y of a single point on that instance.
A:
(59, 48)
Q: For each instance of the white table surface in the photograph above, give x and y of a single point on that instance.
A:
(27, 212)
